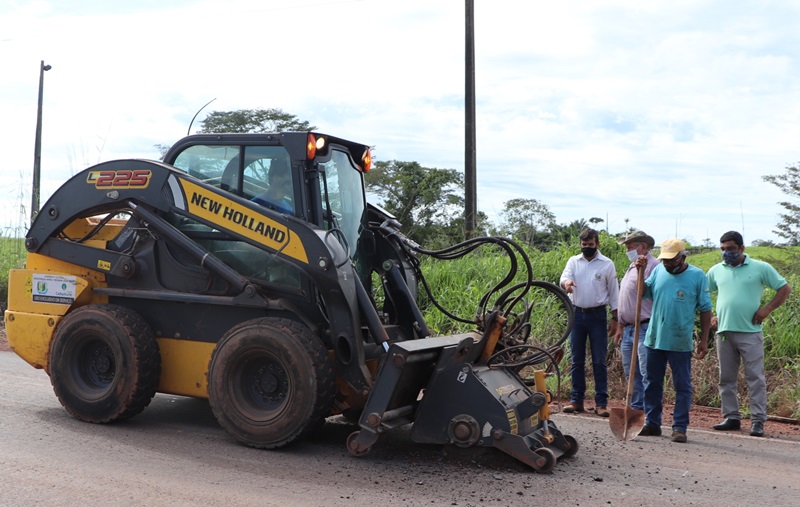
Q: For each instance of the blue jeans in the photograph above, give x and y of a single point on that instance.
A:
(594, 326)
(681, 365)
(637, 398)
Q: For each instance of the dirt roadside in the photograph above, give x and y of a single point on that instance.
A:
(700, 417)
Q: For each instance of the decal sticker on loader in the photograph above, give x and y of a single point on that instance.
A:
(53, 289)
(234, 217)
(512, 422)
(105, 180)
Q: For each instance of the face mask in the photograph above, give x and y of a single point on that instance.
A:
(730, 258)
(588, 251)
(673, 270)
(633, 255)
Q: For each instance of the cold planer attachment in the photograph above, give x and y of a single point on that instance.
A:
(439, 385)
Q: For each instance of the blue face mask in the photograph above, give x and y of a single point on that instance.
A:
(730, 258)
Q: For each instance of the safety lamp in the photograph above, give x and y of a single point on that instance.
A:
(311, 146)
(366, 160)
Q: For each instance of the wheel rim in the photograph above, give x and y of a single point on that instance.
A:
(264, 385)
(94, 366)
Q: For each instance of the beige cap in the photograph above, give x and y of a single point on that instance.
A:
(671, 248)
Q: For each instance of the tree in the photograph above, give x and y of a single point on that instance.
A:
(525, 218)
(566, 233)
(253, 120)
(789, 183)
(429, 202)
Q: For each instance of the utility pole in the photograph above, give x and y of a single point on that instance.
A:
(37, 148)
(470, 179)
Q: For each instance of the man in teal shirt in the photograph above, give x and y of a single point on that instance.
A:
(740, 282)
(678, 290)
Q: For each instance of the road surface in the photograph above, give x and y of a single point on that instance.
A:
(174, 453)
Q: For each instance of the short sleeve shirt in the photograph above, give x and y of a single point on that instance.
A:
(740, 289)
(676, 300)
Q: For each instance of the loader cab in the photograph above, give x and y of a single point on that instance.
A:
(312, 177)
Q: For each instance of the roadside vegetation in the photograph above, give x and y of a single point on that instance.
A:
(12, 256)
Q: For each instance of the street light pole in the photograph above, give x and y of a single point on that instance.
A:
(37, 148)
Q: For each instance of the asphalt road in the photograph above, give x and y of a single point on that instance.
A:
(174, 453)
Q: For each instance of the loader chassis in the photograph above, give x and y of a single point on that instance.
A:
(185, 277)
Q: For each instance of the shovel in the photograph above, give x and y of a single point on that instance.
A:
(627, 422)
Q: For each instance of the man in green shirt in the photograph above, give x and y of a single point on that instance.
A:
(740, 282)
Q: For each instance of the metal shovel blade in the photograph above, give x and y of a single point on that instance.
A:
(626, 422)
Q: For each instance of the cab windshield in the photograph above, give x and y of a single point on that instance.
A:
(343, 197)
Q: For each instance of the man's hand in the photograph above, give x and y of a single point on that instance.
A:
(760, 315)
(616, 334)
(702, 349)
(714, 323)
(568, 286)
(613, 326)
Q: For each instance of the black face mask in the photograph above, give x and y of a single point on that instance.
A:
(588, 251)
(673, 270)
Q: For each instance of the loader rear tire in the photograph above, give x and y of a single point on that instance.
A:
(270, 382)
(104, 363)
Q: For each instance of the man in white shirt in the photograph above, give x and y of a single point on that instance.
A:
(590, 279)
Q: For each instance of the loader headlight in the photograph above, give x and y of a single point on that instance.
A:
(314, 144)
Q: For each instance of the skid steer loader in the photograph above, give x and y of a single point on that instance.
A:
(244, 269)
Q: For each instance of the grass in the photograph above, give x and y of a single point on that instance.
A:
(12, 256)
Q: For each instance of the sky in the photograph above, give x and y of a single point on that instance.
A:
(658, 115)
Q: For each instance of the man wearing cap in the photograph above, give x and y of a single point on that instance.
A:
(678, 291)
(638, 244)
(741, 281)
(590, 278)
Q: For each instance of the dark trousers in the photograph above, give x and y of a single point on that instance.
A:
(681, 365)
(590, 325)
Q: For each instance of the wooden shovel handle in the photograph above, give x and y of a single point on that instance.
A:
(636, 328)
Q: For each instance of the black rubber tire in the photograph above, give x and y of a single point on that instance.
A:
(104, 363)
(270, 382)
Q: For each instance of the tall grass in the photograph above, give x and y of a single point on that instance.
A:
(12, 256)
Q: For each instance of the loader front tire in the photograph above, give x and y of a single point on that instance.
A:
(104, 363)
(270, 382)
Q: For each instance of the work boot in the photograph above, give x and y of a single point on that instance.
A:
(602, 411)
(650, 431)
(678, 436)
(757, 429)
(573, 408)
(728, 425)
